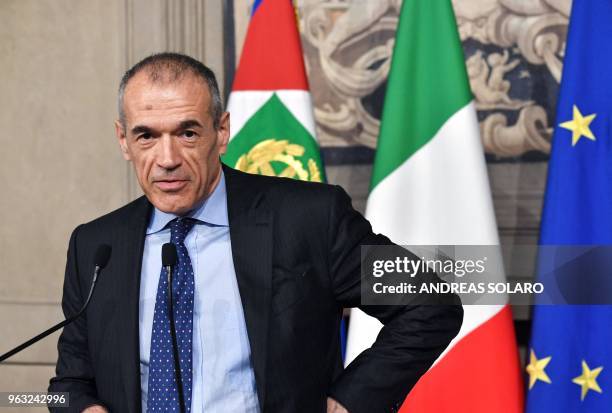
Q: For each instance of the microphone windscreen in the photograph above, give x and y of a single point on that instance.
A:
(169, 255)
(102, 255)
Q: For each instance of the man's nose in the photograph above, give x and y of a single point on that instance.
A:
(169, 156)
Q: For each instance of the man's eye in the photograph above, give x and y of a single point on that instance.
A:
(145, 136)
(189, 134)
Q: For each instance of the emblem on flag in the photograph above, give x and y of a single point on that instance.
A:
(263, 156)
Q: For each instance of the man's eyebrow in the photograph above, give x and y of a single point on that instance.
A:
(186, 124)
(141, 129)
(189, 123)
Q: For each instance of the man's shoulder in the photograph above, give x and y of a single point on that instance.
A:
(132, 213)
(281, 187)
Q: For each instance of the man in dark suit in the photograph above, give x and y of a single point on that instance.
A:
(292, 265)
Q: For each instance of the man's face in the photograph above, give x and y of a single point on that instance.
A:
(170, 139)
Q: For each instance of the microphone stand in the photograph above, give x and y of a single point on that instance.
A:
(102, 256)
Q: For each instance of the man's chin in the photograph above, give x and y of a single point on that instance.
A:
(171, 204)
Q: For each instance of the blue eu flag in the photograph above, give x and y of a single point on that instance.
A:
(570, 358)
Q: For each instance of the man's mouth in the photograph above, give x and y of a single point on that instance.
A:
(171, 185)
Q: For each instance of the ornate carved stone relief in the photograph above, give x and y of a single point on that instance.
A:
(514, 51)
(347, 45)
(515, 48)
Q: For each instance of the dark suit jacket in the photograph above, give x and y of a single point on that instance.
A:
(296, 251)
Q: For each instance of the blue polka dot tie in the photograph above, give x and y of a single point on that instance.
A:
(163, 390)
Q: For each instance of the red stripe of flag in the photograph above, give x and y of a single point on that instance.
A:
(480, 374)
(272, 52)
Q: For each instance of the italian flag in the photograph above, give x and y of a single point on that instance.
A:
(430, 187)
(272, 124)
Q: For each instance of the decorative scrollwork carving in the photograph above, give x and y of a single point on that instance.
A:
(529, 133)
(348, 44)
(338, 41)
(535, 31)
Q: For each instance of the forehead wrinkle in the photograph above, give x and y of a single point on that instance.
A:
(145, 112)
(169, 121)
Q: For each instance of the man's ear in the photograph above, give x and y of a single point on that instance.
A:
(120, 132)
(223, 132)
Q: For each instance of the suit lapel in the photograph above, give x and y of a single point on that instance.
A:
(130, 244)
(251, 239)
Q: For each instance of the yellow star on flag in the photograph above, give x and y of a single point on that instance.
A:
(579, 126)
(535, 369)
(587, 380)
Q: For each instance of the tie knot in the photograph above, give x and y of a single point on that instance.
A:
(179, 228)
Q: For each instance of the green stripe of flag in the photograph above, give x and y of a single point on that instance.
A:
(427, 83)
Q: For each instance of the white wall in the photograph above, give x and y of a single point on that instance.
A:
(60, 64)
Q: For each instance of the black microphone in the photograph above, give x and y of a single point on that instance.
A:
(169, 257)
(169, 261)
(100, 260)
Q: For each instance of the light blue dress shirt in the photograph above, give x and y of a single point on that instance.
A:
(223, 377)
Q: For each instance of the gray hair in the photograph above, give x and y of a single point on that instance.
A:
(172, 67)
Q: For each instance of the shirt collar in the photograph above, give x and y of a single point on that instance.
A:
(212, 211)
